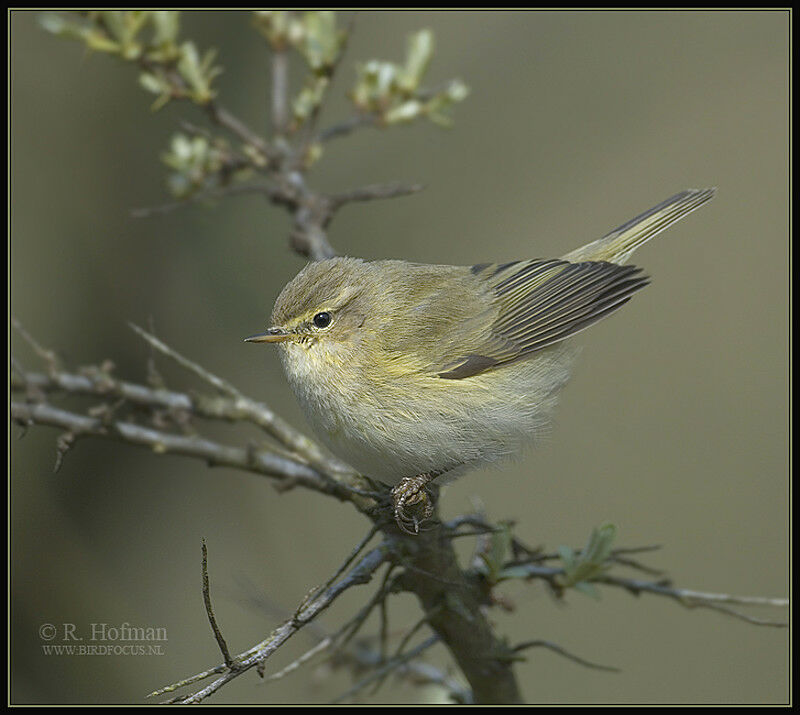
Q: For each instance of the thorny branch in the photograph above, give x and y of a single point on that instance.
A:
(454, 600)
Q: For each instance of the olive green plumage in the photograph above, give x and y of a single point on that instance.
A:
(406, 369)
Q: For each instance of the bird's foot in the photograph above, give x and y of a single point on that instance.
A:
(412, 503)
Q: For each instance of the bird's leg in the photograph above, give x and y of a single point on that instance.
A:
(411, 501)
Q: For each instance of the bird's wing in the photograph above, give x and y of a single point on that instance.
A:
(538, 303)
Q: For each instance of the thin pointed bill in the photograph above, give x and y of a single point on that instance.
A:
(273, 335)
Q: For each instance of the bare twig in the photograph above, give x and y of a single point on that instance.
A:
(214, 453)
(48, 356)
(320, 647)
(686, 597)
(400, 648)
(223, 646)
(207, 195)
(360, 574)
(634, 564)
(238, 128)
(280, 90)
(256, 412)
(353, 554)
(387, 668)
(689, 595)
(349, 125)
(358, 655)
(373, 192)
(216, 382)
(699, 599)
(346, 633)
(566, 654)
(100, 384)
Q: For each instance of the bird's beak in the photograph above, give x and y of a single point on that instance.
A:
(273, 335)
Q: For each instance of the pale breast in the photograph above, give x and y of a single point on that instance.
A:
(414, 424)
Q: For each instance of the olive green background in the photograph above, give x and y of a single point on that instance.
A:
(674, 426)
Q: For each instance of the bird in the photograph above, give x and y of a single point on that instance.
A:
(412, 372)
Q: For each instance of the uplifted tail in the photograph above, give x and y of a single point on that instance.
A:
(617, 246)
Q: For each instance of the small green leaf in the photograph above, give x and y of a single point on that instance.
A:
(313, 154)
(151, 83)
(321, 41)
(166, 24)
(567, 556)
(114, 20)
(197, 72)
(160, 102)
(189, 63)
(135, 21)
(587, 589)
(309, 98)
(500, 544)
(394, 94)
(457, 91)
(273, 25)
(55, 23)
(406, 112)
(589, 563)
(96, 40)
(418, 57)
(600, 543)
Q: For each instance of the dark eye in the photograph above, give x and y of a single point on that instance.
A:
(322, 320)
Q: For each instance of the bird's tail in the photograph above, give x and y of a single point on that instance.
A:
(617, 246)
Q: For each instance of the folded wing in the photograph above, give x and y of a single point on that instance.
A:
(541, 302)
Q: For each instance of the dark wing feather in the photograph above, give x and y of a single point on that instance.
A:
(542, 302)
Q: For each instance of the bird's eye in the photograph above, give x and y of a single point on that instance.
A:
(322, 320)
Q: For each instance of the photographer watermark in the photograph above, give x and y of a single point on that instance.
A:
(102, 639)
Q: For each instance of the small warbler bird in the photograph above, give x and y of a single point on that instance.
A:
(410, 372)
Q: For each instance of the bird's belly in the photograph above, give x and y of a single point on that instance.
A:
(391, 427)
(373, 435)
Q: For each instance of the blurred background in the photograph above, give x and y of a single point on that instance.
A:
(674, 426)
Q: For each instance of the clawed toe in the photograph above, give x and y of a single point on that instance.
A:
(412, 504)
